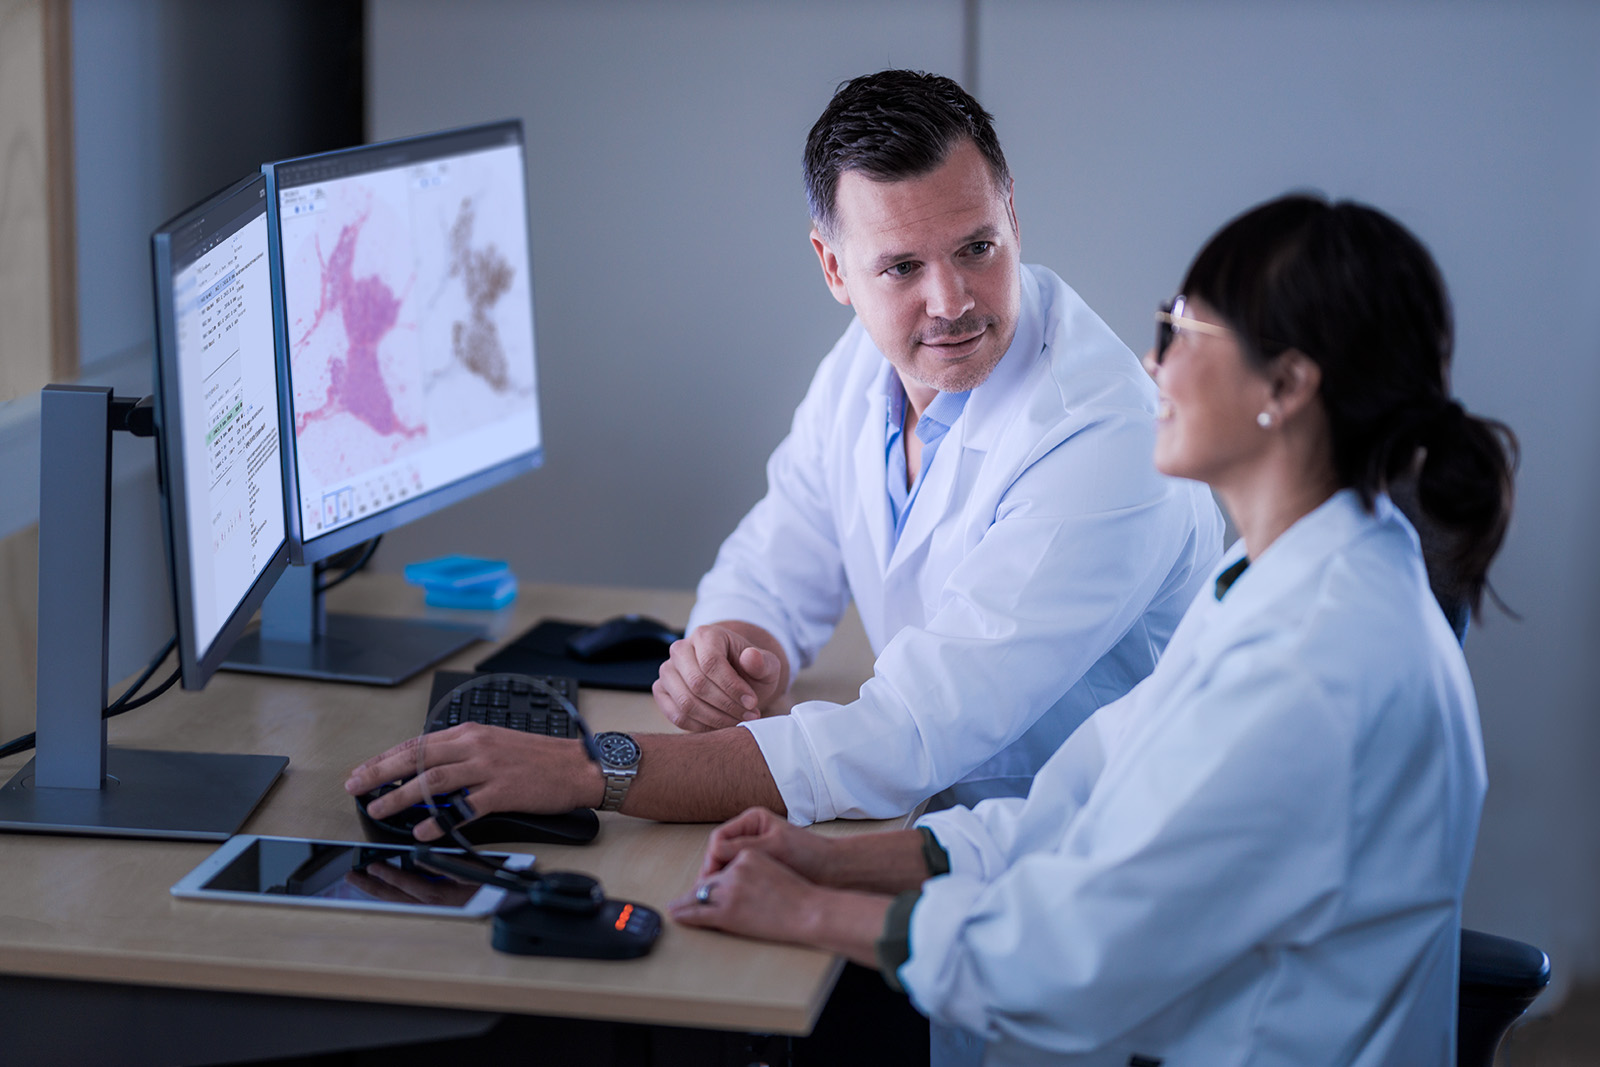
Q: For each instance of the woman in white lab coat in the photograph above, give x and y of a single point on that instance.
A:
(1257, 856)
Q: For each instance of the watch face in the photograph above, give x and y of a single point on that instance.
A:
(618, 750)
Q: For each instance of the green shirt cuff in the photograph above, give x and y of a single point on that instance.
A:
(893, 948)
(933, 854)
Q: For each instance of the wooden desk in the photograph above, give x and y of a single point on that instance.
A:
(98, 909)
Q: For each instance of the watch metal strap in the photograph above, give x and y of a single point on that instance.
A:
(616, 788)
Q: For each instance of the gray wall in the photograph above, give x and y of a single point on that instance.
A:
(681, 312)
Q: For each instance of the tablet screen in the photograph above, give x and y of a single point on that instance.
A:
(338, 871)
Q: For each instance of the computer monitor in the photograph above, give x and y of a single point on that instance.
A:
(218, 397)
(220, 466)
(406, 335)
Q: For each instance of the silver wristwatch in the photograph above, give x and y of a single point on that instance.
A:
(619, 762)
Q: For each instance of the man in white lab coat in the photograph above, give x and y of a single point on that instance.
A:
(971, 466)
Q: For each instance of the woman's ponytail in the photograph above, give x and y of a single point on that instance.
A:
(1465, 487)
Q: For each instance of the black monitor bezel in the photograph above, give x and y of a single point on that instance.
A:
(216, 217)
(303, 170)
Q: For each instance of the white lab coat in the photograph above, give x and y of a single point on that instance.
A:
(1039, 574)
(1256, 857)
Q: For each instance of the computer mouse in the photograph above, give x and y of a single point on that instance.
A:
(626, 637)
(576, 827)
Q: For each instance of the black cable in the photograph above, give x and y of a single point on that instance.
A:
(172, 679)
(350, 571)
(116, 707)
(138, 683)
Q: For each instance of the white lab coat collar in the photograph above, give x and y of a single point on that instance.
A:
(1279, 571)
(992, 404)
(869, 460)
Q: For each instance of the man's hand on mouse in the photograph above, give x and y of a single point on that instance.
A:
(722, 674)
(502, 770)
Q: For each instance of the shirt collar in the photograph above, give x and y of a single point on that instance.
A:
(1229, 575)
(944, 409)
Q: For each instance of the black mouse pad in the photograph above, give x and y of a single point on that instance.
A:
(543, 650)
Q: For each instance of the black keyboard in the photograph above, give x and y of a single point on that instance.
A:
(505, 700)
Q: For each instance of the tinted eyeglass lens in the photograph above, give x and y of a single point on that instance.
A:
(1163, 332)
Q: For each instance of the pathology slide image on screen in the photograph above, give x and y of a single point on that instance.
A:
(235, 486)
(410, 330)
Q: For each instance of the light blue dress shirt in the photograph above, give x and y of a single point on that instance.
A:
(941, 414)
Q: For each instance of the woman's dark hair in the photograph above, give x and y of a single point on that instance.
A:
(1357, 293)
(893, 125)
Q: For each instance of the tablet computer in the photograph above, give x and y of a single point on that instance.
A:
(342, 874)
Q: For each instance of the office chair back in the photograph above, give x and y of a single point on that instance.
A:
(1499, 979)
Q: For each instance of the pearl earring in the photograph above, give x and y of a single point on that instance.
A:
(1264, 420)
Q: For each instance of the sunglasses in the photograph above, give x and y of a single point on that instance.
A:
(1171, 321)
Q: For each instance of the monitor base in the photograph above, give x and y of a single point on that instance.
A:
(366, 649)
(190, 796)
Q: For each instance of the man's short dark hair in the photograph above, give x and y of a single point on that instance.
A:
(893, 125)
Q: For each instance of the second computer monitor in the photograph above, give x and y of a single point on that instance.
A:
(404, 323)
(407, 313)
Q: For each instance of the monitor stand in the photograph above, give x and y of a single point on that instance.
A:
(76, 784)
(297, 637)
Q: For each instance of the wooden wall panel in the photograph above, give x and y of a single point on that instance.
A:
(38, 318)
(19, 630)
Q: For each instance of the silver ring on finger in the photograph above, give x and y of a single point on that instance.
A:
(702, 895)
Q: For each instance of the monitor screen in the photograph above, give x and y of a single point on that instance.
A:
(217, 418)
(408, 329)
